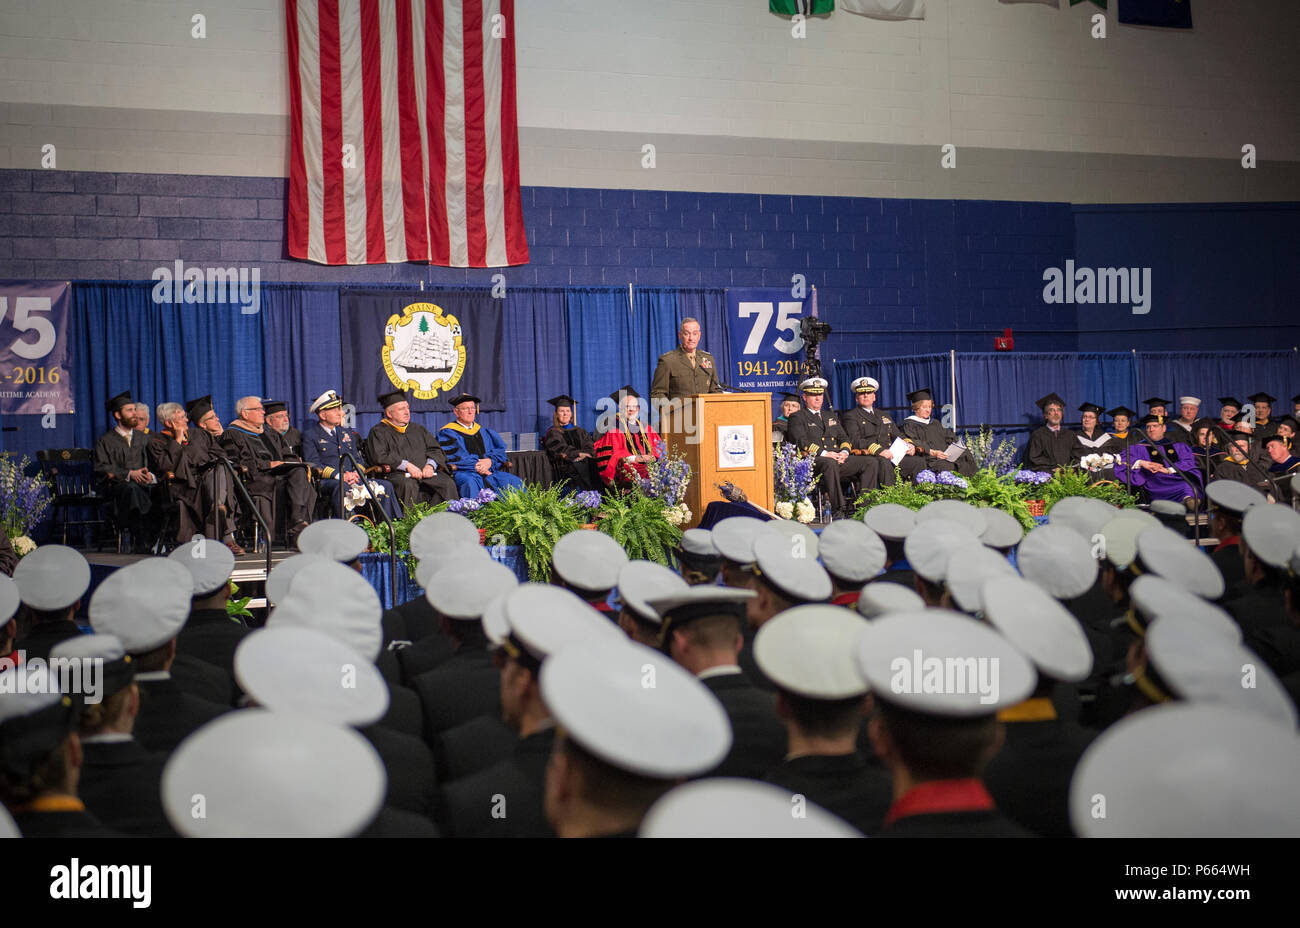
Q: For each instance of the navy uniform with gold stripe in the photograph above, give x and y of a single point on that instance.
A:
(322, 447)
(872, 432)
(817, 431)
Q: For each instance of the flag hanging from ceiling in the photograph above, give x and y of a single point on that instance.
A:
(403, 142)
(807, 7)
(885, 9)
(1174, 13)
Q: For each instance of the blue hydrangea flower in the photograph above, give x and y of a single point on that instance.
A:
(486, 496)
(926, 476)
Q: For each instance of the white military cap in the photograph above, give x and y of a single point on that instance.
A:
(1001, 528)
(463, 592)
(1120, 536)
(442, 533)
(297, 669)
(791, 532)
(794, 572)
(865, 385)
(890, 521)
(695, 602)
(336, 539)
(1084, 514)
(813, 386)
(8, 827)
(209, 562)
(1188, 770)
(1039, 626)
(932, 543)
(1189, 401)
(10, 599)
(1059, 560)
(52, 577)
(589, 561)
(850, 551)
(495, 626)
(729, 807)
(967, 570)
(460, 559)
(598, 694)
(281, 576)
(1271, 533)
(640, 581)
(1167, 511)
(1233, 495)
(734, 538)
(943, 663)
(809, 651)
(1153, 596)
(699, 541)
(264, 774)
(954, 510)
(337, 600)
(144, 604)
(117, 669)
(1163, 551)
(544, 620)
(327, 400)
(1185, 661)
(882, 597)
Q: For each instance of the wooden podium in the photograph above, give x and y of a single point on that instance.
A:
(724, 437)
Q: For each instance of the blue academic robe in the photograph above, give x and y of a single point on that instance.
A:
(321, 450)
(1161, 486)
(461, 445)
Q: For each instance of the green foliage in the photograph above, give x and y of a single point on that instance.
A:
(237, 609)
(905, 493)
(637, 523)
(533, 517)
(1069, 481)
(988, 489)
(378, 532)
(991, 454)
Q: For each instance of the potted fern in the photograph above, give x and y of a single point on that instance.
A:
(534, 518)
(640, 525)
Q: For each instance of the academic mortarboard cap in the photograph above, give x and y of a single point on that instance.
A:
(1290, 421)
(890, 521)
(865, 385)
(641, 581)
(917, 396)
(117, 669)
(282, 574)
(1262, 398)
(1121, 411)
(814, 386)
(35, 718)
(1189, 770)
(392, 398)
(462, 593)
(562, 400)
(883, 597)
(1002, 530)
(932, 543)
(327, 400)
(1157, 401)
(1092, 408)
(1271, 532)
(623, 393)
(463, 398)
(790, 397)
(52, 577)
(896, 652)
(337, 539)
(545, 620)
(850, 551)
(597, 695)
(144, 604)
(1038, 626)
(968, 569)
(794, 574)
(1269, 439)
(1233, 495)
(1230, 401)
(588, 561)
(809, 651)
(697, 602)
(954, 510)
(273, 775)
(1043, 401)
(119, 401)
(1059, 560)
(442, 533)
(1084, 514)
(1150, 418)
(298, 669)
(1165, 552)
(271, 407)
(729, 807)
(10, 600)
(337, 600)
(1152, 597)
(197, 409)
(1185, 661)
(209, 562)
(734, 538)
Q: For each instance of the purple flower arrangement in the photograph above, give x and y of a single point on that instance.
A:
(464, 506)
(669, 476)
(926, 476)
(586, 499)
(795, 473)
(1032, 477)
(23, 498)
(948, 478)
(486, 496)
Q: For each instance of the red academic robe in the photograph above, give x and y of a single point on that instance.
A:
(617, 444)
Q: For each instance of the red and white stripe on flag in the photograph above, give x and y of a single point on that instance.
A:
(404, 141)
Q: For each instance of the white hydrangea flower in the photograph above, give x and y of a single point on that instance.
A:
(23, 545)
(785, 509)
(804, 512)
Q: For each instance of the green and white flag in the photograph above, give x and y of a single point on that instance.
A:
(807, 7)
(885, 9)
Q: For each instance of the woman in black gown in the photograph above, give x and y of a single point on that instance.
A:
(570, 448)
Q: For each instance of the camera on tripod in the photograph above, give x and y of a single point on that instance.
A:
(814, 332)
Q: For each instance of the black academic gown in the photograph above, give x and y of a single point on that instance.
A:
(513, 789)
(562, 449)
(1049, 450)
(464, 686)
(758, 737)
(473, 746)
(1029, 778)
(387, 447)
(121, 785)
(930, 435)
(113, 458)
(846, 785)
(168, 714)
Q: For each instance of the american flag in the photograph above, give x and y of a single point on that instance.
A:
(404, 144)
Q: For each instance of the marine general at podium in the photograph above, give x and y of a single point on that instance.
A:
(686, 370)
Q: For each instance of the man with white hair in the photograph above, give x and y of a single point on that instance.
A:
(256, 456)
(624, 449)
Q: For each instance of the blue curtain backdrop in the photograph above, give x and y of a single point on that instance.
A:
(897, 377)
(1210, 375)
(1000, 388)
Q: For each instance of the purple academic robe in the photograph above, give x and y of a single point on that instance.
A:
(1162, 486)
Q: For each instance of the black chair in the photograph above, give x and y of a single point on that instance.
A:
(71, 475)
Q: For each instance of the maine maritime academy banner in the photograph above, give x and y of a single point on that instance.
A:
(35, 354)
(766, 347)
(433, 345)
